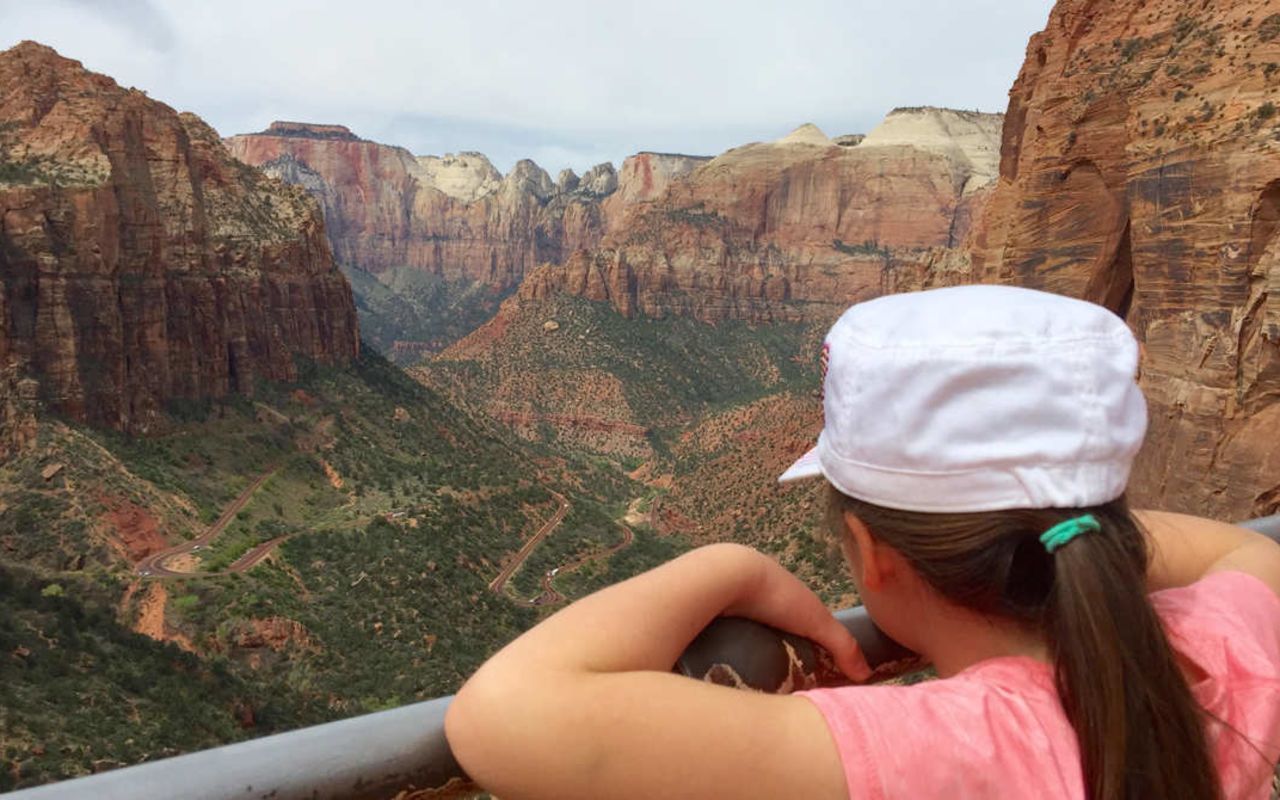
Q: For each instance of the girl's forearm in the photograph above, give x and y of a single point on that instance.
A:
(643, 623)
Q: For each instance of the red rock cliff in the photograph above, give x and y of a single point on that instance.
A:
(139, 262)
(454, 216)
(1140, 168)
(777, 230)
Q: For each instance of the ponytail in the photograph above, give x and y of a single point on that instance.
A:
(1141, 733)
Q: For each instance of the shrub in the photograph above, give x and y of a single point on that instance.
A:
(1131, 48)
(868, 248)
(1269, 28)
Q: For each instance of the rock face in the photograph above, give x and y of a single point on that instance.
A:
(465, 177)
(140, 263)
(644, 177)
(778, 230)
(454, 216)
(1140, 168)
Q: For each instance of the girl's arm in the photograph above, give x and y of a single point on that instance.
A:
(1186, 548)
(585, 705)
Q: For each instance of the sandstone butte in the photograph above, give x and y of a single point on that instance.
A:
(1140, 168)
(455, 216)
(140, 262)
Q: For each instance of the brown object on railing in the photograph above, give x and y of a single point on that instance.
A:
(739, 652)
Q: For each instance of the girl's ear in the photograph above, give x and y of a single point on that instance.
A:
(872, 565)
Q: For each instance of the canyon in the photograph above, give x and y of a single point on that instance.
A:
(453, 216)
(642, 341)
(793, 229)
(1138, 166)
(760, 232)
(140, 263)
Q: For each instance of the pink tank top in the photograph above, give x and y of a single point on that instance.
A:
(997, 729)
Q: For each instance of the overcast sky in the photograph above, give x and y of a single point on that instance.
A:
(565, 82)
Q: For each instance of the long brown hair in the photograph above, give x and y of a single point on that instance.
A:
(1140, 731)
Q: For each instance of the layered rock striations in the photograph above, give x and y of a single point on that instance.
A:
(645, 177)
(140, 263)
(1140, 168)
(785, 229)
(766, 231)
(454, 216)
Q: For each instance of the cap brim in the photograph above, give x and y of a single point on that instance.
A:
(807, 466)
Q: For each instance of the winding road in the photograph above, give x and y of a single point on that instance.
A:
(549, 594)
(154, 565)
(499, 583)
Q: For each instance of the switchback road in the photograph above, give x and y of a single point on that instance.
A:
(497, 584)
(154, 565)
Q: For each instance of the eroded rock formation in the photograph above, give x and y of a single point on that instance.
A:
(771, 230)
(761, 232)
(1140, 168)
(140, 263)
(454, 216)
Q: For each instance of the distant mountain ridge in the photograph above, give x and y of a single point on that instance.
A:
(759, 232)
(453, 216)
(794, 228)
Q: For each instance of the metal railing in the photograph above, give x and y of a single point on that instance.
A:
(403, 753)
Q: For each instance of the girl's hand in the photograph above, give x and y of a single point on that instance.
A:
(777, 598)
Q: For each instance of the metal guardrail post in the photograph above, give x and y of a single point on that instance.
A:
(404, 750)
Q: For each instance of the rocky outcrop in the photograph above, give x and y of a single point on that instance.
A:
(454, 216)
(1140, 168)
(306, 130)
(786, 229)
(19, 398)
(465, 177)
(968, 139)
(645, 177)
(362, 186)
(140, 263)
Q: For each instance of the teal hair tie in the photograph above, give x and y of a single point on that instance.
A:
(1067, 530)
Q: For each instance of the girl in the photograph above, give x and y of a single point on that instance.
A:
(977, 442)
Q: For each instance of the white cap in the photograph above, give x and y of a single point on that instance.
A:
(978, 398)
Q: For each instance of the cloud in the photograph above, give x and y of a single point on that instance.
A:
(577, 80)
(140, 18)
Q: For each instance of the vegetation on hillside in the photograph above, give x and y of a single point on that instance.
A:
(407, 313)
(668, 372)
(80, 692)
(723, 409)
(399, 508)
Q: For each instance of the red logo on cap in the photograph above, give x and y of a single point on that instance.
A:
(826, 359)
